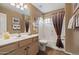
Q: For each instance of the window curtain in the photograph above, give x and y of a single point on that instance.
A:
(57, 19)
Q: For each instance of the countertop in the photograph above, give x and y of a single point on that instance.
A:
(15, 39)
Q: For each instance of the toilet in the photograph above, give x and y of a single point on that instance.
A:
(42, 45)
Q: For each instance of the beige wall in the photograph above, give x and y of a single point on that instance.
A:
(72, 35)
(34, 14)
(11, 14)
(48, 14)
(34, 11)
(76, 41)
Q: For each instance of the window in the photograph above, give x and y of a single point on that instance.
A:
(3, 23)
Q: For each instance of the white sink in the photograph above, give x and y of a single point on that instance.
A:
(21, 35)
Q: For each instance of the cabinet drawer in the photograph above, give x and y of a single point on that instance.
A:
(20, 51)
(35, 39)
(25, 42)
(8, 48)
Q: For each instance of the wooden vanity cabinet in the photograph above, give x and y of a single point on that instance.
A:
(23, 47)
(27, 47)
(25, 42)
(19, 51)
(33, 47)
(8, 48)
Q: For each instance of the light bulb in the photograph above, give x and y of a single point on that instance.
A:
(18, 6)
(21, 4)
(22, 8)
(13, 4)
(25, 6)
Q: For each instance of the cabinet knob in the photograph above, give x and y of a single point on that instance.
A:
(25, 49)
(28, 47)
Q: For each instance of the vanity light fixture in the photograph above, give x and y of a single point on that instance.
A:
(21, 6)
(25, 6)
(13, 4)
(17, 5)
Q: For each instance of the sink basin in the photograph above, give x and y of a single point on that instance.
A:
(15, 36)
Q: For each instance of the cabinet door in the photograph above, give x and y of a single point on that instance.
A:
(20, 51)
(25, 42)
(8, 48)
(33, 48)
(36, 47)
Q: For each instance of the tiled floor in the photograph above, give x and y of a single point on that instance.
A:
(50, 51)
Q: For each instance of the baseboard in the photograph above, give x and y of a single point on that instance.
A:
(60, 49)
(69, 53)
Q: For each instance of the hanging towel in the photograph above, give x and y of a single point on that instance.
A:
(71, 22)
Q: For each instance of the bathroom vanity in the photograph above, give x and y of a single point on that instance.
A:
(24, 45)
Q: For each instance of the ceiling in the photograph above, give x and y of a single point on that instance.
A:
(8, 6)
(47, 7)
(43, 7)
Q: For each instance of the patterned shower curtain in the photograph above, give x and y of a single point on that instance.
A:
(57, 19)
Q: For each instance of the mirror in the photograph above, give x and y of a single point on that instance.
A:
(14, 18)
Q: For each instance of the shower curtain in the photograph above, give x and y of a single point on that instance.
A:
(57, 19)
